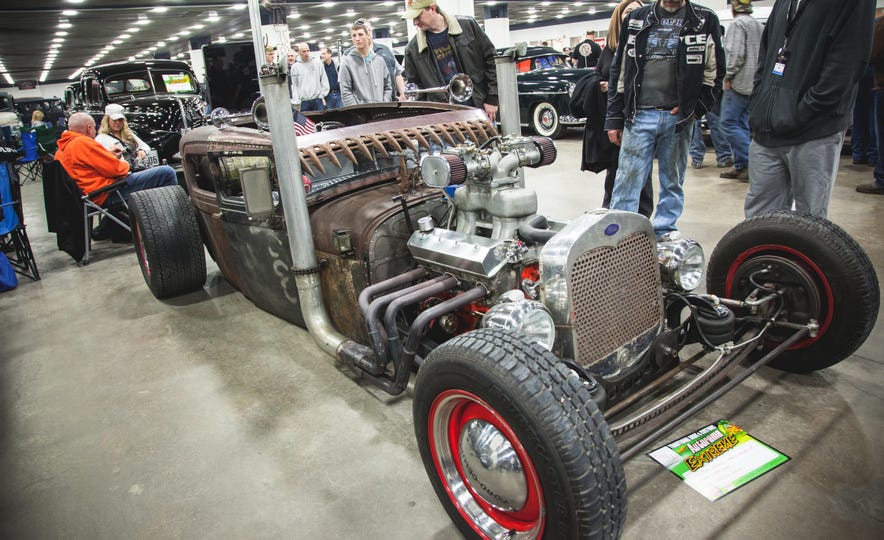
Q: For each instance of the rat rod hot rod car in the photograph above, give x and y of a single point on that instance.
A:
(546, 352)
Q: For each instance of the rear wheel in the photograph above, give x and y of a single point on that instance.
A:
(513, 444)
(825, 275)
(545, 121)
(167, 241)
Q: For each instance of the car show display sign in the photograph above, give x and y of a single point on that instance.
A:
(718, 459)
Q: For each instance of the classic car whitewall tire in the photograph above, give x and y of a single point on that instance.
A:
(826, 276)
(545, 120)
(513, 444)
(167, 241)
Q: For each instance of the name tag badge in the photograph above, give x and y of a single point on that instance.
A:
(778, 69)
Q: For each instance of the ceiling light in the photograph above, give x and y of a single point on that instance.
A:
(117, 41)
(197, 27)
(123, 36)
(160, 9)
(293, 15)
(161, 43)
(238, 35)
(213, 16)
(328, 4)
(69, 12)
(64, 24)
(304, 27)
(9, 78)
(222, 39)
(58, 40)
(61, 33)
(238, 6)
(74, 1)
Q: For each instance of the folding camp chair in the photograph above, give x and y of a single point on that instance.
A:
(69, 212)
(14, 240)
(47, 141)
(29, 167)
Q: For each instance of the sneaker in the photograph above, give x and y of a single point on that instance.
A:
(736, 174)
(860, 161)
(729, 162)
(873, 188)
(697, 164)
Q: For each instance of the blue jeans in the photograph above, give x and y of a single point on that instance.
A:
(862, 136)
(159, 176)
(311, 105)
(333, 101)
(719, 141)
(653, 132)
(735, 124)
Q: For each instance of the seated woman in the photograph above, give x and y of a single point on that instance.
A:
(37, 119)
(115, 133)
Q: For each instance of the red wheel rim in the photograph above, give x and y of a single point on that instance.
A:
(804, 262)
(449, 416)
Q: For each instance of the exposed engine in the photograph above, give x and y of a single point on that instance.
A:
(589, 290)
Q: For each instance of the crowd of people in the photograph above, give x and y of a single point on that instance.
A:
(777, 103)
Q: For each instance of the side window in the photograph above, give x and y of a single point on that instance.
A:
(132, 83)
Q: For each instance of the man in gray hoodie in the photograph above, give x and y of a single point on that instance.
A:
(364, 76)
(309, 83)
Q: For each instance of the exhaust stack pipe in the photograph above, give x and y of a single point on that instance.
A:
(274, 88)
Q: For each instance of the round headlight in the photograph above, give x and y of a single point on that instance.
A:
(526, 317)
(681, 262)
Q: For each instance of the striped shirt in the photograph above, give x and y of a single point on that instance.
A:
(741, 43)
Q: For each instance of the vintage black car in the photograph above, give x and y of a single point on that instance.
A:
(53, 110)
(545, 83)
(161, 98)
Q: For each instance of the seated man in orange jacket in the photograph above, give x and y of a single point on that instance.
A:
(92, 166)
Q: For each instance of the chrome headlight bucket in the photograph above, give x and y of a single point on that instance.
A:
(681, 262)
(515, 313)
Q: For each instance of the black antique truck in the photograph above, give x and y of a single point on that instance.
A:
(543, 353)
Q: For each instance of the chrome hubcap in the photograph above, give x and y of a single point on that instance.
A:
(492, 467)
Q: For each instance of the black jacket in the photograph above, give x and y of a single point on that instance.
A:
(588, 100)
(64, 210)
(828, 51)
(700, 65)
(473, 52)
(592, 52)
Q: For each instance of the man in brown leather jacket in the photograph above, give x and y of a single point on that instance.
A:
(446, 45)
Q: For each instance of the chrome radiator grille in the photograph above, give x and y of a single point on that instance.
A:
(615, 296)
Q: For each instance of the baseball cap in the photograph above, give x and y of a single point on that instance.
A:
(742, 6)
(362, 23)
(413, 8)
(114, 111)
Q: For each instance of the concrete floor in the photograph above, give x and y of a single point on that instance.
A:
(203, 417)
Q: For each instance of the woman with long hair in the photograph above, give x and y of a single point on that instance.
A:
(115, 135)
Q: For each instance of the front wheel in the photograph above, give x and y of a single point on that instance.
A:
(167, 241)
(545, 121)
(824, 275)
(513, 444)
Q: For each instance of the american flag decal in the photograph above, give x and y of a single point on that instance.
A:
(303, 125)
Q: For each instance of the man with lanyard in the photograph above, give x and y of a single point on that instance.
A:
(447, 45)
(666, 73)
(333, 99)
(812, 54)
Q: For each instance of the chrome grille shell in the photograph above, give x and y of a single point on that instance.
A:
(602, 286)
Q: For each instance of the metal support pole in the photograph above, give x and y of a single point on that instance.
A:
(274, 88)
